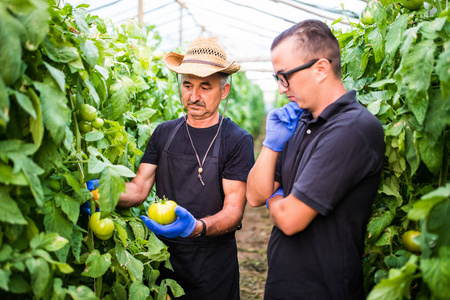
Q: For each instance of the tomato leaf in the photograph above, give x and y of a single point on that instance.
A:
(134, 266)
(36, 24)
(55, 221)
(57, 75)
(120, 92)
(48, 241)
(81, 292)
(69, 206)
(40, 275)
(139, 291)
(395, 34)
(436, 273)
(97, 265)
(9, 210)
(90, 52)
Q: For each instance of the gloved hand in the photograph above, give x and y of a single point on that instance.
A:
(280, 125)
(277, 192)
(182, 227)
(86, 206)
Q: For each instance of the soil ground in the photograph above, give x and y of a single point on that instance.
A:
(252, 242)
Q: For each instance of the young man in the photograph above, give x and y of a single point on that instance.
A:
(201, 161)
(322, 167)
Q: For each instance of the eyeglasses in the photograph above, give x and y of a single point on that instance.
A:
(281, 77)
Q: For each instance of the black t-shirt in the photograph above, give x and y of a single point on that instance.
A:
(236, 155)
(333, 164)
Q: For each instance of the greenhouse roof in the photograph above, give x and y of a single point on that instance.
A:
(244, 28)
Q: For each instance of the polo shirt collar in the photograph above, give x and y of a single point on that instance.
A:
(332, 109)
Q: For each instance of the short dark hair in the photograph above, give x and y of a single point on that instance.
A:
(315, 40)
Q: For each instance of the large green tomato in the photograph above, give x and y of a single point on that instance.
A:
(88, 112)
(412, 4)
(102, 228)
(409, 239)
(163, 212)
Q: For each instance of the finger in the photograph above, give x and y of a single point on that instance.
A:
(181, 211)
(292, 111)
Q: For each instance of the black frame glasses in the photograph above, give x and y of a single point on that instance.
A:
(281, 77)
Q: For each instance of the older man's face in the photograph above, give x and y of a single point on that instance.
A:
(202, 95)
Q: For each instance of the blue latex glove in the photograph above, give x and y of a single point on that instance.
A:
(280, 125)
(277, 192)
(86, 206)
(182, 227)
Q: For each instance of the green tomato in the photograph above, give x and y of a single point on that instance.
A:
(85, 126)
(412, 4)
(98, 123)
(157, 54)
(163, 212)
(409, 239)
(88, 112)
(102, 228)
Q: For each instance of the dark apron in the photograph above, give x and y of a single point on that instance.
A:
(206, 267)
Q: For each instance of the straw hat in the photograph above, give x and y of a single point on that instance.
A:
(203, 57)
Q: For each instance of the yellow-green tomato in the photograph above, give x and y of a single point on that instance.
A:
(409, 239)
(163, 212)
(102, 228)
(98, 123)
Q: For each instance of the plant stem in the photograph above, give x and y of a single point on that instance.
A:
(438, 7)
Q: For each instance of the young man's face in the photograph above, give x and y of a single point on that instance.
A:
(286, 57)
(202, 95)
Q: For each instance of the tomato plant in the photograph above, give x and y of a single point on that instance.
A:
(55, 60)
(163, 211)
(400, 71)
(102, 228)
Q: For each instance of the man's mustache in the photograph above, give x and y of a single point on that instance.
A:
(198, 102)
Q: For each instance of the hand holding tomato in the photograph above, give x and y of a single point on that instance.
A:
(163, 211)
(183, 226)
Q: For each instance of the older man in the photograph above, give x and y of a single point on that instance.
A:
(201, 161)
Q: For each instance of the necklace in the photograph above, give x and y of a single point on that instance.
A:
(200, 163)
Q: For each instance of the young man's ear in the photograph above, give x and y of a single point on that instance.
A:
(323, 68)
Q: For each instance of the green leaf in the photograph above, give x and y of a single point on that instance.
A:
(48, 241)
(376, 39)
(4, 104)
(436, 273)
(139, 83)
(73, 183)
(422, 208)
(134, 266)
(416, 68)
(111, 186)
(122, 171)
(397, 285)
(120, 293)
(58, 76)
(69, 206)
(90, 52)
(62, 53)
(55, 221)
(94, 136)
(377, 225)
(430, 29)
(31, 171)
(36, 124)
(145, 114)
(4, 279)
(12, 33)
(7, 176)
(120, 92)
(79, 15)
(176, 289)
(54, 108)
(36, 24)
(41, 275)
(95, 166)
(25, 103)
(81, 292)
(97, 265)
(443, 70)
(9, 210)
(139, 291)
(395, 34)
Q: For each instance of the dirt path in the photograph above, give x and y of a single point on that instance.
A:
(252, 247)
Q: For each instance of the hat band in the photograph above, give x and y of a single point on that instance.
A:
(202, 62)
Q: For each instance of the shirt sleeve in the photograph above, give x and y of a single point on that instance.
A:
(240, 159)
(342, 158)
(151, 155)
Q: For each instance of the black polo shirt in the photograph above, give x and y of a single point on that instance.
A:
(333, 164)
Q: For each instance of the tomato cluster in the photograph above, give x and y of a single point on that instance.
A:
(163, 211)
(89, 118)
(102, 228)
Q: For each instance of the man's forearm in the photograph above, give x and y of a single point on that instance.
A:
(132, 197)
(260, 182)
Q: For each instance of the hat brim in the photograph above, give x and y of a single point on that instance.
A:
(174, 60)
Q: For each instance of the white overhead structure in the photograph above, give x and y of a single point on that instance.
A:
(245, 28)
